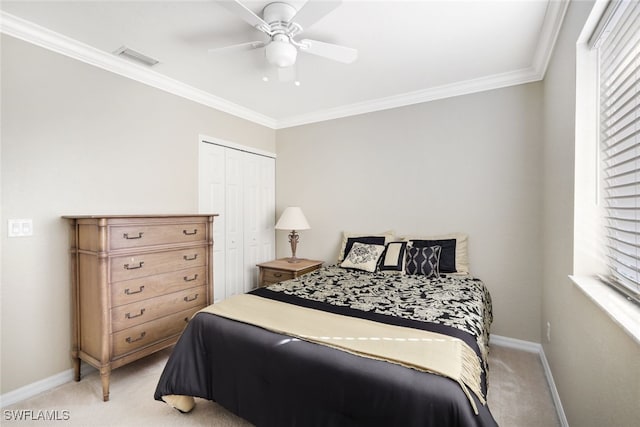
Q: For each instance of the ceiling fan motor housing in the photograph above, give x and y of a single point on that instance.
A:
(278, 12)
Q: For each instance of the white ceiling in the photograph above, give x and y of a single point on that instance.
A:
(409, 51)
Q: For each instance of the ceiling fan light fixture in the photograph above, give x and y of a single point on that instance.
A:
(281, 53)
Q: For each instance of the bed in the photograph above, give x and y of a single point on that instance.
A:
(346, 364)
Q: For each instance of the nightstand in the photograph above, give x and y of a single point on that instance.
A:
(281, 269)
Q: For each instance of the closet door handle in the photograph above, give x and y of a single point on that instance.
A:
(186, 233)
(126, 266)
(187, 299)
(129, 316)
(130, 340)
(139, 236)
(129, 292)
(187, 258)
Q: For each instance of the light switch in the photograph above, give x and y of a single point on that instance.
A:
(27, 227)
(20, 227)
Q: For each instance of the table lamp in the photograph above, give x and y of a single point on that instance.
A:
(293, 219)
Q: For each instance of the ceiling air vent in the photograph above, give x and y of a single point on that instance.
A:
(136, 56)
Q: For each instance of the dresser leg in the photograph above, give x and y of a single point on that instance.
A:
(76, 368)
(105, 373)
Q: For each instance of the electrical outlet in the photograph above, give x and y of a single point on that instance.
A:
(20, 227)
(548, 331)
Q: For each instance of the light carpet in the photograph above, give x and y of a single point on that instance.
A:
(518, 396)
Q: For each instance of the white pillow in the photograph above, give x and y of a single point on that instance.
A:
(363, 257)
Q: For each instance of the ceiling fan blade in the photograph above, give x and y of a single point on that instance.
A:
(312, 11)
(245, 13)
(238, 47)
(331, 51)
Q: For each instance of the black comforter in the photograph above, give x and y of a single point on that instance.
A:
(275, 380)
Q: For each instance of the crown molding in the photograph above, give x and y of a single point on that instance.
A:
(56, 42)
(482, 84)
(553, 18)
(551, 25)
(43, 37)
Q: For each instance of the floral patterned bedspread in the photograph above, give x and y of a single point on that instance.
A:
(462, 302)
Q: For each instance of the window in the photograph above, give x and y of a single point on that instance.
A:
(617, 40)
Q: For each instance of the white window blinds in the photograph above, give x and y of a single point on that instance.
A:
(618, 43)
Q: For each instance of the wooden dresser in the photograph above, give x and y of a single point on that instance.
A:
(136, 281)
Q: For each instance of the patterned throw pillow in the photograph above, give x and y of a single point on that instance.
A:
(363, 257)
(393, 258)
(423, 261)
(447, 253)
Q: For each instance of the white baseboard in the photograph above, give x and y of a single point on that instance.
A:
(554, 391)
(46, 384)
(533, 347)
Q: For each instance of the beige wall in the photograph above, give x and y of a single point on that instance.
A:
(469, 164)
(497, 165)
(80, 140)
(595, 365)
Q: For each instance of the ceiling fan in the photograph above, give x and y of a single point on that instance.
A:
(282, 22)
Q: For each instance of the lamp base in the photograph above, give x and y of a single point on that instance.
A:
(293, 239)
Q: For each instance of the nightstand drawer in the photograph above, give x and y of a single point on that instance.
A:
(135, 236)
(136, 313)
(275, 276)
(281, 269)
(141, 265)
(131, 339)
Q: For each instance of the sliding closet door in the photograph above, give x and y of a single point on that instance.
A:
(240, 187)
(235, 222)
(212, 199)
(259, 210)
(267, 209)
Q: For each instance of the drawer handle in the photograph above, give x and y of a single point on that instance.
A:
(129, 316)
(186, 278)
(186, 258)
(139, 236)
(130, 292)
(131, 340)
(126, 266)
(277, 274)
(186, 320)
(186, 233)
(187, 299)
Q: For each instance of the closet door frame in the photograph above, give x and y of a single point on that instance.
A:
(266, 231)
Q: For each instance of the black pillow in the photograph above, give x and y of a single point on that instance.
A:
(368, 240)
(447, 253)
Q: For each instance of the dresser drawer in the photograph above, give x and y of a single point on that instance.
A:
(129, 291)
(139, 312)
(137, 337)
(275, 276)
(132, 267)
(134, 236)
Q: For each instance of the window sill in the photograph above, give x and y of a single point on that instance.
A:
(622, 311)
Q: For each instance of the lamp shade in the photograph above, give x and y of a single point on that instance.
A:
(292, 219)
